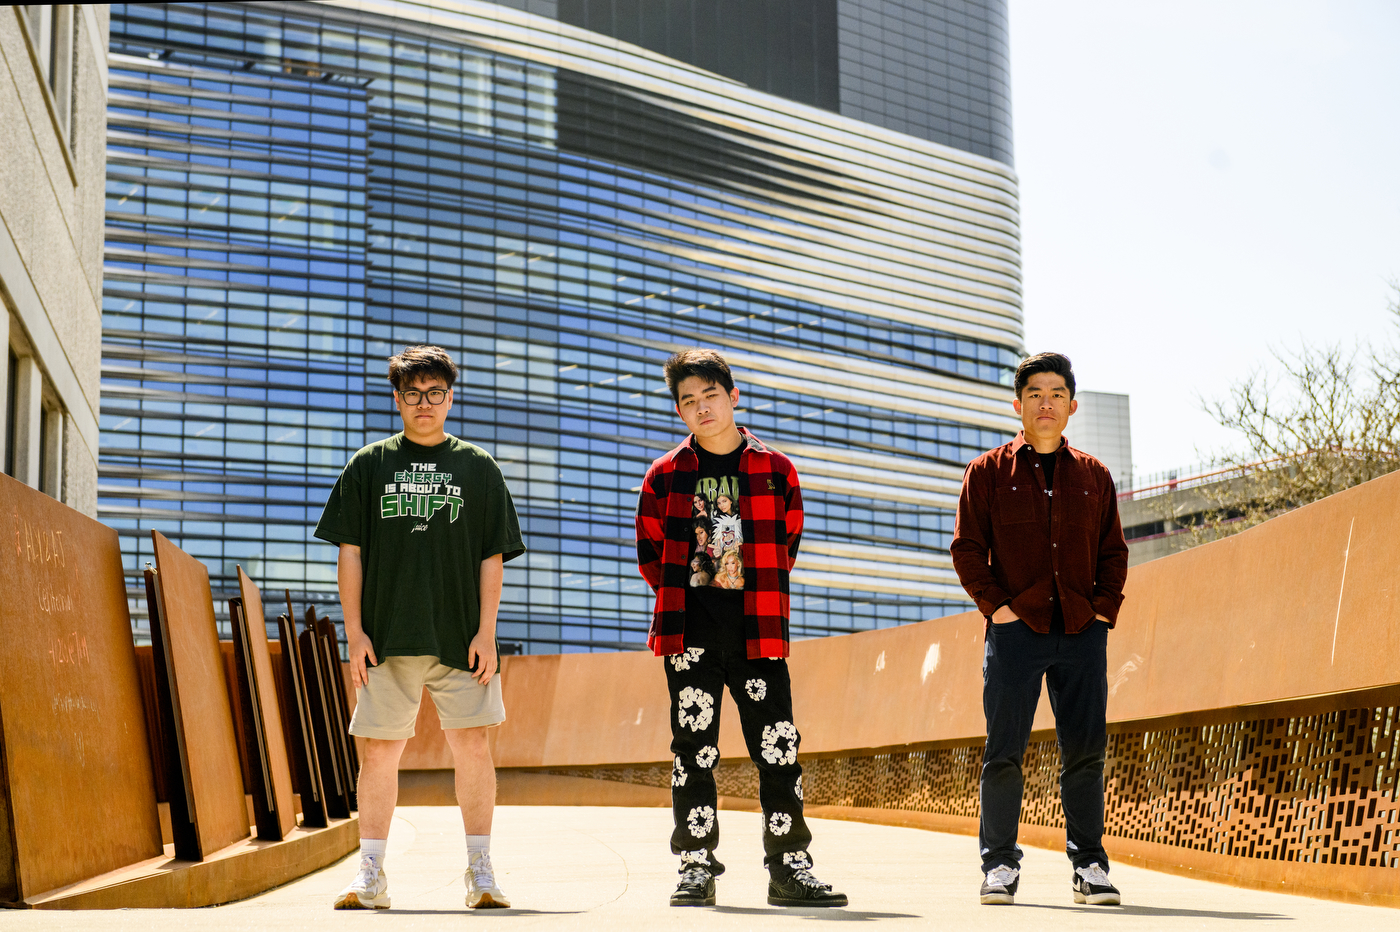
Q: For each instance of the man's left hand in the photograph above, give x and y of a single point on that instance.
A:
(481, 655)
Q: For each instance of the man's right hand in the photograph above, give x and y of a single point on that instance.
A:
(1004, 616)
(360, 649)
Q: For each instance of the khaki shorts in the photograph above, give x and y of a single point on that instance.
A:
(387, 707)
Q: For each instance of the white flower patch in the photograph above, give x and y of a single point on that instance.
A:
(707, 757)
(756, 689)
(701, 820)
(699, 858)
(772, 734)
(779, 823)
(683, 660)
(797, 860)
(678, 774)
(704, 705)
(796, 789)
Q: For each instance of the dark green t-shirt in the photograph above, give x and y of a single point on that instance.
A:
(424, 518)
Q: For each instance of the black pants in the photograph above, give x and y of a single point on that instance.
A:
(1075, 671)
(763, 694)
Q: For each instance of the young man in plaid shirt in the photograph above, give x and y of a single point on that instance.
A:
(719, 519)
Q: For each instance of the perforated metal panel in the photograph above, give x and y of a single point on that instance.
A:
(1317, 788)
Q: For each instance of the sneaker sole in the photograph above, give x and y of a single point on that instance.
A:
(353, 901)
(999, 899)
(487, 901)
(707, 901)
(1098, 899)
(784, 901)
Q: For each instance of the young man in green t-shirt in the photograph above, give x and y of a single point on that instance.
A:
(424, 522)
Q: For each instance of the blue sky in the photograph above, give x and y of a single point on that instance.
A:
(1200, 183)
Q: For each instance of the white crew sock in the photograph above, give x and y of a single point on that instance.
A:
(374, 848)
(477, 844)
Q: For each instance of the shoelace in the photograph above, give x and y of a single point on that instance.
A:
(1094, 874)
(805, 877)
(368, 874)
(482, 873)
(695, 877)
(1002, 876)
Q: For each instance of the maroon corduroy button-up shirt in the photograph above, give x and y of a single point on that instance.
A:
(1013, 542)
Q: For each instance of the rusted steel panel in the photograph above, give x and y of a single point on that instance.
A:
(79, 789)
(272, 777)
(155, 734)
(335, 784)
(328, 653)
(236, 710)
(211, 813)
(298, 723)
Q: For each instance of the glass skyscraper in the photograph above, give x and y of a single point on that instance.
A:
(297, 190)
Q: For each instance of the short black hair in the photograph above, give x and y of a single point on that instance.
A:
(421, 361)
(1057, 363)
(707, 364)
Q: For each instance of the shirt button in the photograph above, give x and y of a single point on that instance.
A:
(1054, 545)
(1013, 488)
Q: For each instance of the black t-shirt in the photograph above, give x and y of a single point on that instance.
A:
(715, 596)
(1047, 465)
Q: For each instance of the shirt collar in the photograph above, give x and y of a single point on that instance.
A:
(1021, 441)
(751, 442)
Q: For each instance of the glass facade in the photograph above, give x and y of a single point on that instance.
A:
(295, 191)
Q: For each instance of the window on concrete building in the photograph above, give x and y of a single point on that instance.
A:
(53, 29)
(12, 374)
(51, 451)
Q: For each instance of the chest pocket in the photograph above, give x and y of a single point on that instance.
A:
(1081, 506)
(1014, 504)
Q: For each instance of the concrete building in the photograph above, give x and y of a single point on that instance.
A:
(53, 111)
(562, 195)
(1102, 428)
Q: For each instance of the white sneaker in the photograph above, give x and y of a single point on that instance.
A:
(1091, 885)
(999, 888)
(369, 889)
(482, 892)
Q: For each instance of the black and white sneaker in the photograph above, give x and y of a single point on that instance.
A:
(999, 888)
(801, 888)
(1090, 885)
(697, 888)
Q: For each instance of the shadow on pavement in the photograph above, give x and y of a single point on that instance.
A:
(463, 911)
(1164, 912)
(829, 913)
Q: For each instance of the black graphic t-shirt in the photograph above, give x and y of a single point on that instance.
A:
(424, 518)
(716, 555)
(1047, 465)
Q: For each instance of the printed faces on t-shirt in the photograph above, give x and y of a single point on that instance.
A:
(716, 557)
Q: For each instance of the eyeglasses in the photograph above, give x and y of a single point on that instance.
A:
(412, 396)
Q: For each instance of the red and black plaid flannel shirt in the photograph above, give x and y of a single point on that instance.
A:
(770, 512)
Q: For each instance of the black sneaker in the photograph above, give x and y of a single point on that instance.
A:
(802, 889)
(1090, 885)
(999, 889)
(697, 888)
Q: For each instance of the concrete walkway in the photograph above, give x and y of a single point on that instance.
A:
(594, 868)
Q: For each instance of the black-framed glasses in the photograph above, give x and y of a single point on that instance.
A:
(413, 396)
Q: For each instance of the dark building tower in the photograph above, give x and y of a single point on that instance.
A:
(562, 195)
(935, 69)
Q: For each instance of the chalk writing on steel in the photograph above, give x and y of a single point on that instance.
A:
(69, 649)
(37, 545)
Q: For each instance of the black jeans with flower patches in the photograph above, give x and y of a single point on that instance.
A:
(763, 694)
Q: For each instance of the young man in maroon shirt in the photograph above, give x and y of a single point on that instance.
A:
(1039, 547)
